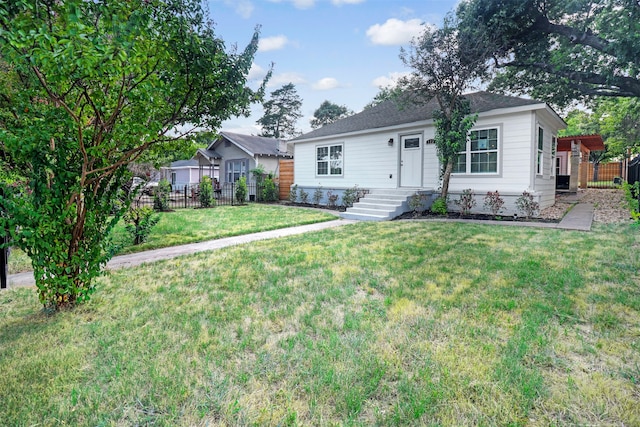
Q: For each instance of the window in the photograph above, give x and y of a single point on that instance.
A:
(480, 154)
(554, 150)
(410, 143)
(540, 156)
(236, 169)
(329, 160)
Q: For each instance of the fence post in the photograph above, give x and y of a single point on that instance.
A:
(185, 197)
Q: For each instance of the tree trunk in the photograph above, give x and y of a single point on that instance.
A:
(446, 176)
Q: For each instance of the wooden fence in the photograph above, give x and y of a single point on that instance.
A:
(286, 178)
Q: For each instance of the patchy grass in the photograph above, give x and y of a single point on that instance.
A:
(198, 225)
(397, 323)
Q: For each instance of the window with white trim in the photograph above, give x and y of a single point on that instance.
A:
(236, 169)
(540, 152)
(481, 153)
(329, 160)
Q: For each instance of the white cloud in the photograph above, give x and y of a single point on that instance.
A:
(272, 43)
(285, 78)
(390, 80)
(395, 31)
(243, 8)
(326, 83)
(256, 72)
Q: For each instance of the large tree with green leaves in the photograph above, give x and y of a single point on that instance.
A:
(328, 112)
(91, 86)
(445, 62)
(281, 112)
(558, 50)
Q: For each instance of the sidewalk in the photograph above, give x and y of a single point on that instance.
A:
(580, 218)
(130, 260)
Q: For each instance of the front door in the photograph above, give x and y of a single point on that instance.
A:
(411, 161)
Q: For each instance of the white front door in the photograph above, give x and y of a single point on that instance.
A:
(411, 161)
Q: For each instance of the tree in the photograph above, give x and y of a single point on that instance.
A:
(328, 112)
(385, 93)
(445, 63)
(92, 86)
(560, 51)
(281, 113)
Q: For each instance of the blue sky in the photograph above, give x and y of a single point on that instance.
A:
(336, 50)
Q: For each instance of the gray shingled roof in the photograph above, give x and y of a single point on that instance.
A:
(389, 113)
(184, 163)
(257, 145)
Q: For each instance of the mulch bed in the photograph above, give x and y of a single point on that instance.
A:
(479, 217)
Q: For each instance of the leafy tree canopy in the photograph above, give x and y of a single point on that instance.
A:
(385, 93)
(560, 51)
(445, 62)
(328, 112)
(281, 112)
(89, 87)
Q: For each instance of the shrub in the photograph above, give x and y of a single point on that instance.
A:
(317, 196)
(416, 204)
(161, 196)
(139, 222)
(466, 202)
(269, 190)
(527, 205)
(439, 206)
(304, 196)
(241, 190)
(632, 195)
(293, 193)
(351, 196)
(206, 193)
(493, 202)
(332, 199)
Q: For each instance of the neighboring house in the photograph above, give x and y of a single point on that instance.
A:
(188, 173)
(386, 149)
(237, 155)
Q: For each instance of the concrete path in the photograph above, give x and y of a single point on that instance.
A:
(123, 261)
(580, 218)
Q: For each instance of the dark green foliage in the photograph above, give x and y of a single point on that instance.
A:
(439, 206)
(350, 196)
(416, 203)
(161, 196)
(139, 222)
(329, 112)
(304, 196)
(91, 87)
(293, 193)
(281, 113)
(206, 193)
(269, 190)
(241, 190)
(317, 195)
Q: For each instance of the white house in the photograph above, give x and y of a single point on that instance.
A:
(390, 152)
(187, 173)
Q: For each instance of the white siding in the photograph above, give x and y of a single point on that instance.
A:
(545, 184)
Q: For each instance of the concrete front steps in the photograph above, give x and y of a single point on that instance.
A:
(380, 205)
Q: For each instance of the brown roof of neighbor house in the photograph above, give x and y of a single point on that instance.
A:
(391, 113)
(591, 142)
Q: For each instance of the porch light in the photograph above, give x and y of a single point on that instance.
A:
(390, 142)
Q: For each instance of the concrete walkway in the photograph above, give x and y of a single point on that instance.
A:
(580, 218)
(123, 261)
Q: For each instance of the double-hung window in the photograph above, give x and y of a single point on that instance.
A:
(236, 169)
(480, 154)
(329, 161)
(540, 152)
(554, 152)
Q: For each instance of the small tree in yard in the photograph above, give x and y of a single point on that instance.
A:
(467, 201)
(206, 192)
(161, 196)
(91, 86)
(241, 190)
(139, 222)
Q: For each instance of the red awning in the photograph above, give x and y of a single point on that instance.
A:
(590, 142)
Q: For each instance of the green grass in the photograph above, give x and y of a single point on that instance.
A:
(198, 225)
(396, 323)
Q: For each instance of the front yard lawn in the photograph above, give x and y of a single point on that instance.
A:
(395, 323)
(198, 225)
